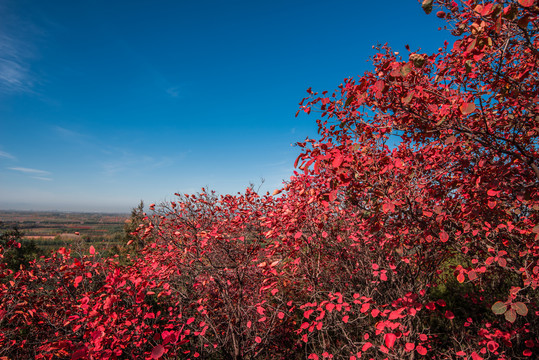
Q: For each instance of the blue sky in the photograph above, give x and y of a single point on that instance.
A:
(105, 103)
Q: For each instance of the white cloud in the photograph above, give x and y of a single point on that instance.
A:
(174, 91)
(14, 71)
(6, 155)
(30, 171)
(41, 178)
(13, 76)
(67, 132)
(72, 136)
(16, 50)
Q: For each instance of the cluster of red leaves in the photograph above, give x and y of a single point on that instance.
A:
(409, 230)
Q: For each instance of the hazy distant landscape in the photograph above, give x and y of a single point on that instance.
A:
(53, 229)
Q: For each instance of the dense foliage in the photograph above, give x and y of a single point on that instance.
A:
(410, 229)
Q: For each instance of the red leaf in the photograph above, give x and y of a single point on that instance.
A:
(449, 315)
(389, 340)
(396, 314)
(258, 339)
(409, 346)
(492, 192)
(92, 250)
(526, 3)
(421, 350)
(337, 161)
(365, 307)
(387, 207)
(467, 108)
(158, 351)
(492, 346)
(443, 236)
(475, 356)
(77, 281)
(366, 346)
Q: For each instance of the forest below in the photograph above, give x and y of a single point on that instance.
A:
(427, 247)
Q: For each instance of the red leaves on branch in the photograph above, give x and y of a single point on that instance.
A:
(410, 225)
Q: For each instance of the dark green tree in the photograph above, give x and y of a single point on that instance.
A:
(131, 225)
(17, 256)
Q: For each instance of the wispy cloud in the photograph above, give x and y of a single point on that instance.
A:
(14, 70)
(30, 171)
(66, 132)
(42, 178)
(120, 161)
(72, 136)
(13, 76)
(16, 51)
(174, 91)
(6, 155)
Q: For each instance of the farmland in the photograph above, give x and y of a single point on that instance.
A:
(53, 229)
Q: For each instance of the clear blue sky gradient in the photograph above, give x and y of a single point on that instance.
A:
(105, 103)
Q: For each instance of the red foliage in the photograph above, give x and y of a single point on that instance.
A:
(410, 227)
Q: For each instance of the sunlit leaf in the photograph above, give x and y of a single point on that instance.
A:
(467, 108)
(499, 308)
(510, 315)
(427, 6)
(520, 308)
